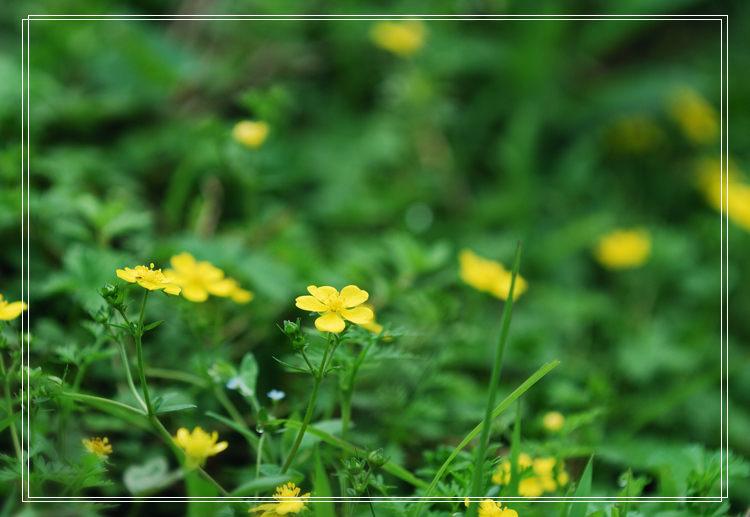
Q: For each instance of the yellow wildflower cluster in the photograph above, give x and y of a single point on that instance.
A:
(490, 508)
(250, 134)
(401, 38)
(289, 501)
(623, 249)
(697, 119)
(99, 446)
(489, 276)
(537, 476)
(199, 279)
(736, 202)
(10, 311)
(148, 278)
(198, 445)
(335, 307)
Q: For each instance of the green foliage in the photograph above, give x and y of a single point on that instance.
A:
(379, 168)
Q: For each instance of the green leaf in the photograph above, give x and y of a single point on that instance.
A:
(322, 488)
(169, 408)
(150, 477)
(296, 368)
(152, 325)
(515, 452)
(199, 487)
(578, 508)
(249, 374)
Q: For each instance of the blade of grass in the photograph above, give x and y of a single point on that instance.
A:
(578, 508)
(515, 451)
(528, 383)
(322, 488)
(477, 486)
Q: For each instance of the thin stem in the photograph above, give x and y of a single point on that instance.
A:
(126, 364)
(9, 406)
(305, 422)
(346, 412)
(101, 400)
(478, 482)
(139, 351)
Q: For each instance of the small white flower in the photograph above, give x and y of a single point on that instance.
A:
(276, 395)
(237, 383)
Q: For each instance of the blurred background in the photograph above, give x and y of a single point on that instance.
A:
(390, 148)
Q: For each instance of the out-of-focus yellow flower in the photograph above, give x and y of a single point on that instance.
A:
(538, 475)
(697, 119)
(199, 279)
(334, 307)
(148, 278)
(99, 446)
(736, 201)
(289, 501)
(623, 249)
(553, 421)
(251, 134)
(489, 276)
(198, 445)
(10, 311)
(401, 38)
(371, 325)
(490, 508)
(636, 133)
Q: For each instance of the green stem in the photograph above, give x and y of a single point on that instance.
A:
(139, 351)
(305, 422)
(101, 400)
(478, 483)
(126, 364)
(9, 406)
(346, 412)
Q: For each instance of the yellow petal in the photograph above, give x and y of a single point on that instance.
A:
(359, 315)
(267, 506)
(309, 303)
(194, 292)
(216, 449)
(330, 322)
(171, 289)
(323, 293)
(126, 274)
(354, 295)
(184, 262)
(12, 310)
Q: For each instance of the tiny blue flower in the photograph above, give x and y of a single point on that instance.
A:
(276, 395)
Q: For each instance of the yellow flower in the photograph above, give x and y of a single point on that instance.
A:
(545, 475)
(98, 446)
(148, 278)
(623, 249)
(198, 445)
(489, 276)
(695, 116)
(401, 38)
(10, 311)
(735, 202)
(199, 279)
(490, 508)
(250, 134)
(334, 307)
(289, 501)
(553, 421)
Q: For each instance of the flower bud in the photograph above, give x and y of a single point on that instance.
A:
(376, 459)
(293, 332)
(354, 466)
